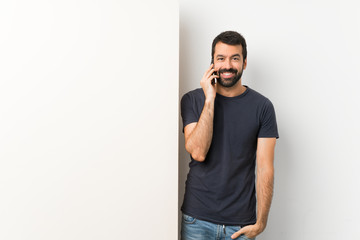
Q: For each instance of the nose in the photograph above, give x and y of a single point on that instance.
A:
(227, 64)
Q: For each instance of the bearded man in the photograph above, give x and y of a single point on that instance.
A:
(230, 130)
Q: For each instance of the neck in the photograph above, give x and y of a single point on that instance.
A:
(233, 91)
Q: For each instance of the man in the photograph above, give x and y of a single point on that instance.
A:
(229, 128)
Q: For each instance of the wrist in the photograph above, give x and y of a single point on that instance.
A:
(209, 100)
(260, 226)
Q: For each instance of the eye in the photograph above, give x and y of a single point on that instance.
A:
(220, 59)
(236, 59)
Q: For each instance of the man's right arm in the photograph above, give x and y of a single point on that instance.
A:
(198, 136)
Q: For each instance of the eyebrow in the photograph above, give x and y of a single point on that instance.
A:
(235, 55)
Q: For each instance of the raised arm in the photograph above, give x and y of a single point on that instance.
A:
(198, 136)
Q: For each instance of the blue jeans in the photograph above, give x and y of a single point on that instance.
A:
(195, 229)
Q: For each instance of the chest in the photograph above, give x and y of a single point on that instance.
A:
(236, 121)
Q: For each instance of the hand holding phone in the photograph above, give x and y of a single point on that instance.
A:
(208, 83)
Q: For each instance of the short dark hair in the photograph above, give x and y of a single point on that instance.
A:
(230, 38)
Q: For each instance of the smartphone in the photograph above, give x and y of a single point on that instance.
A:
(214, 80)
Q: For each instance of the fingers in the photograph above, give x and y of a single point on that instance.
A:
(209, 72)
(249, 231)
(209, 89)
(242, 231)
(210, 75)
(237, 234)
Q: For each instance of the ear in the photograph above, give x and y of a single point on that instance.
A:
(245, 64)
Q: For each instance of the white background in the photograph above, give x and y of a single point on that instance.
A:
(88, 119)
(304, 56)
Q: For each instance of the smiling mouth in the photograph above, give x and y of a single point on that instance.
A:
(227, 74)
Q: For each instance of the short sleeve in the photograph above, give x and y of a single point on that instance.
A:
(268, 125)
(188, 113)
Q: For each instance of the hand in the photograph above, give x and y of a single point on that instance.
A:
(250, 231)
(208, 88)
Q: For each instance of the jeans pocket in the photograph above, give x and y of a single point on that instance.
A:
(188, 219)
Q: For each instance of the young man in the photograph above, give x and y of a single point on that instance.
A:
(229, 128)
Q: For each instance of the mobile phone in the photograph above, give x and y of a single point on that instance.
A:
(214, 80)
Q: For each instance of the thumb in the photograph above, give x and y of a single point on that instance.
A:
(238, 233)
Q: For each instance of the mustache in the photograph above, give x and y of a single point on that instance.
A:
(231, 70)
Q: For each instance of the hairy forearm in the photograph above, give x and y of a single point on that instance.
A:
(199, 141)
(264, 190)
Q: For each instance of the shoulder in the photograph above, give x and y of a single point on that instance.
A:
(255, 94)
(194, 95)
(258, 98)
(262, 104)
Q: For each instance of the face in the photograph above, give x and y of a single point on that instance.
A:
(228, 61)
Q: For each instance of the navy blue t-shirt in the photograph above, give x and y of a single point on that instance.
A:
(222, 188)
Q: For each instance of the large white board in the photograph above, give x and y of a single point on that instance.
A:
(88, 119)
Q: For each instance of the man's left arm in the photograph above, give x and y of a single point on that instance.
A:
(264, 186)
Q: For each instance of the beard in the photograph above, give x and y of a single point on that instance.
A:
(229, 82)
